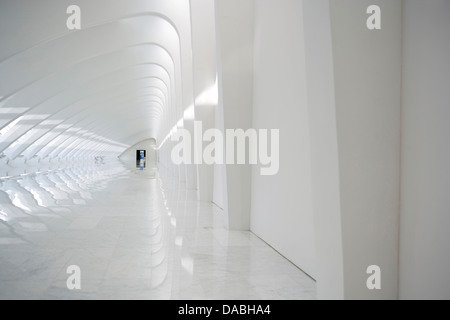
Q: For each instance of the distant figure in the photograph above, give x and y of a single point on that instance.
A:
(142, 160)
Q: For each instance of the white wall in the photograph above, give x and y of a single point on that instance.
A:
(205, 114)
(205, 75)
(281, 204)
(367, 75)
(235, 79)
(220, 171)
(191, 173)
(165, 163)
(425, 214)
(324, 149)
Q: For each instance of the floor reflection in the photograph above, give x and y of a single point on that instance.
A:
(135, 235)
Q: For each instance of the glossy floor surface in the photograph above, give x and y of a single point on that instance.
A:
(133, 236)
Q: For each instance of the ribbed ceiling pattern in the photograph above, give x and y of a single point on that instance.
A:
(99, 90)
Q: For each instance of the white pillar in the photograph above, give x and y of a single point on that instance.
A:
(235, 25)
(205, 86)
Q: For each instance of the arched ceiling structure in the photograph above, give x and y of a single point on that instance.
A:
(118, 80)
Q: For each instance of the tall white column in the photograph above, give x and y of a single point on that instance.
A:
(235, 26)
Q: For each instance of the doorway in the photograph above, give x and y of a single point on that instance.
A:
(141, 156)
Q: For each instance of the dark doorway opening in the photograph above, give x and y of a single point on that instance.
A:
(141, 159)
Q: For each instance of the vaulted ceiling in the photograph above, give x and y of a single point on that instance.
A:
(98, 90)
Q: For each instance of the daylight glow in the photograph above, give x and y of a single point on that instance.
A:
(10, 126)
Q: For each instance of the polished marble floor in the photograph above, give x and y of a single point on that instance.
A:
(134, 235)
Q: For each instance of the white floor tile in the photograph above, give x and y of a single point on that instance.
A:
(133, 238)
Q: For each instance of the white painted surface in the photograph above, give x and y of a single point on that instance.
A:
(220, 170)
(220, 197)
(190, 169)
(425, 214)
(324, 149)
(205, 171)
(205, 75)
(281, 204)
(367, 78)
(235, 74)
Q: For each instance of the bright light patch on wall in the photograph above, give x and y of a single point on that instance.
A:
(12, 146)
(25, 137)
(3, 216)
(189, 113)
(51, 122)
(36, 116)
(188, 265)
(209, 97)
(179, 241)
(172, 131)
(4, 130)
